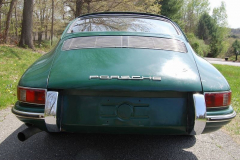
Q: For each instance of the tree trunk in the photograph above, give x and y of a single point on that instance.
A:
(0, 18)
(9, 15)
(52, 22)
(88, 5)
(1, 1)
(0, 23)
(27, 23)
(39, 37)
(46, 30)
(79, 6)
(16, 25)
(34, 36)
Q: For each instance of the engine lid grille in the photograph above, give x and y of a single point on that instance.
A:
(124, 42)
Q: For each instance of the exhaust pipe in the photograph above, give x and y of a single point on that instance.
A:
(27, 133)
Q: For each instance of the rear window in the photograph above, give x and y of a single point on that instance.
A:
(106, 24)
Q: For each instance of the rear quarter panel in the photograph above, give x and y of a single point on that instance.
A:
(212, 80)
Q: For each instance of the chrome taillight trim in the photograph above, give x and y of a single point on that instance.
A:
(50, 111)
(32, 88)
(200, 114)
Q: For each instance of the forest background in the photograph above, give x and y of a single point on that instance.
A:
(40, 23)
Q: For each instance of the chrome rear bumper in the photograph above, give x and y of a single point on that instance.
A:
(221, 118)
(50, 115)
(30, 115)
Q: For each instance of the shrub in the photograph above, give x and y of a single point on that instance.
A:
(198, 45)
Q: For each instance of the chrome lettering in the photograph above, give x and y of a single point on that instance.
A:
(114, 77)
(147, 78)
(106, 77)
(93, 77)
(124, 77)
(157, 78)
(137, 77)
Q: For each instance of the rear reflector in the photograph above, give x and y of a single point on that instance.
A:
(219, 99)
(31, 95)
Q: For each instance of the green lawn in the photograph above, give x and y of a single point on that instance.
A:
(232, 74)
(13, 62)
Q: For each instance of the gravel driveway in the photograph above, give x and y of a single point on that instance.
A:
(217, 145)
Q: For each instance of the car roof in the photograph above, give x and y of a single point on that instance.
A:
(128, 14)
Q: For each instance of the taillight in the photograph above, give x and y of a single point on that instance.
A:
(218, 99)
(31, 95)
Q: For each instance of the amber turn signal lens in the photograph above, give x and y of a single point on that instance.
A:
(31, 95)
(219, 99)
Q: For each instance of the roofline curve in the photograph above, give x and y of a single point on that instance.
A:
(134, 13)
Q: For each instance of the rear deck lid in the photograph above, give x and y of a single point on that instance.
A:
(72, 69)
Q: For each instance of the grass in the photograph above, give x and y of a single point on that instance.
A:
(13, 62)
(232, 74)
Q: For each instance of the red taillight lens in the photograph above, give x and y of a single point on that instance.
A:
(31, 95)
(220, 99)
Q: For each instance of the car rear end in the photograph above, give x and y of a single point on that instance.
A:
(121, 82)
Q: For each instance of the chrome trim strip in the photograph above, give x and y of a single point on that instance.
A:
(29, 117)
(227, 120)
(200, 114)
(28, 114)
(220, 118)
(51, 111)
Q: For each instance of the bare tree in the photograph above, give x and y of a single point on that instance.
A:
(88, 5)
(0, 22)
(52, 22)
(27, 23)
(16, 23)
(1, 2)
(79, 7)
(9, 15)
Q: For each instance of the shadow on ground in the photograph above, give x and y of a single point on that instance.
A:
(96, 146)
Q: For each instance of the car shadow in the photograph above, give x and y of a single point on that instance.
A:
(96, 146)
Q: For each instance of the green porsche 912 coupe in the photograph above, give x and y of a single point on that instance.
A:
(125, 73)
